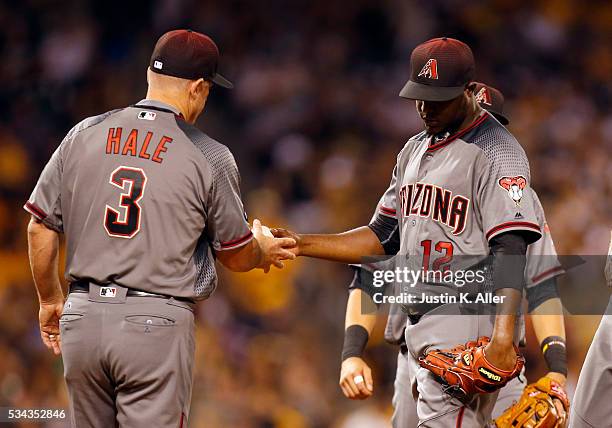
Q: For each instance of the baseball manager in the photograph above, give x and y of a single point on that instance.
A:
(146, 202)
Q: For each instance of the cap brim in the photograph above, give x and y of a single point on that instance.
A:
(222, 81)
(418, 91)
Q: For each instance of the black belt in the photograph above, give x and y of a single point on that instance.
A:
(83, 287)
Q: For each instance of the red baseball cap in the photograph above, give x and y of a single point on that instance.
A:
(439, 70)
(492, 100)
(188, 55)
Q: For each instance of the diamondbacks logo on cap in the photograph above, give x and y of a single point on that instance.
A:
(158, 64)
(514, 186)
(484, 97)
(430, 69)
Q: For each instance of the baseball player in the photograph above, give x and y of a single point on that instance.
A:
(146, 202)
(591, 408)
(459, 188)
(542, 269)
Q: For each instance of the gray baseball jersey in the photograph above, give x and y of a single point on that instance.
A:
(142, 196)
(542, 264)
(450, 197)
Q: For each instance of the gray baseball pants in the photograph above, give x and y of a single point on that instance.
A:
(404, 406)
(444, 328)
(128, 364)
(591, 406)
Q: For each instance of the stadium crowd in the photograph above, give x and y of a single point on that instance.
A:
(315, 124)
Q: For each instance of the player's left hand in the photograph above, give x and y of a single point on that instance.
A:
(501, 357)
(48, 317)
(561, 380)
(537, 407)
(356, 379)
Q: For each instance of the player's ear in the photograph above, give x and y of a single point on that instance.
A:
(199, 88)
(470, 88)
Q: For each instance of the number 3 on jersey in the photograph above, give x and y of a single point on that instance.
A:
(125, 223)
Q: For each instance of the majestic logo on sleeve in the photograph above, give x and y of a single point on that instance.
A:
(430, 69)
(484, 97)
(427, 200)
(514, 186)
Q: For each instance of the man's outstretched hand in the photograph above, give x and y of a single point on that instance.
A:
(285, 233)
(273, 248)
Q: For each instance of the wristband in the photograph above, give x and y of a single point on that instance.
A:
(355, 340)
(555, 354)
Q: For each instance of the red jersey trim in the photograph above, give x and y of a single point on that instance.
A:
(35, 211)
(459, 134)
(550, 272)
(236, 242)
(388, 211)
(513, 224)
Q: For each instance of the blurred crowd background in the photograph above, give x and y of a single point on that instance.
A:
(315, 124)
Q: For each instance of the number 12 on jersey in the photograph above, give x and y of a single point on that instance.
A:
(440, 263)
(125, 222)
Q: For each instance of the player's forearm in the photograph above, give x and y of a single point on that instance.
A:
(354, 312)
(548, 320)
(347, 247)
(509, 251)
(43, 250)
(549, 328)
(358, 326)
(507, 313)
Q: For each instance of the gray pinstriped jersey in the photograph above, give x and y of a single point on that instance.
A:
(143, 198)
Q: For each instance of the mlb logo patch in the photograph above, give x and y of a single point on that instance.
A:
(147, 115)
(158, 65)
(108, 291)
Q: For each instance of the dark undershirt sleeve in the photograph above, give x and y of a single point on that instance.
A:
(509, 260)
(542, 292)
(387, 231)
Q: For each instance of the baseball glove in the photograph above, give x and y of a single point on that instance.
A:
(536, 407)
(465, 370)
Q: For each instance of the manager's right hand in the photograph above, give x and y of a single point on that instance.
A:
(273, 250)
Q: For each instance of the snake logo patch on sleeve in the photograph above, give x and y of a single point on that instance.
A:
(514, 186)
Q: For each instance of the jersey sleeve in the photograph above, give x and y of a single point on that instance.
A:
(45, 201)
(384, 222)
(387, 205)
(504, 197)
(542, 259)
(227, 225)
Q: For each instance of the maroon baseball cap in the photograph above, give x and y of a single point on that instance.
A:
(188, 55)
(439, 70)
(492, 100)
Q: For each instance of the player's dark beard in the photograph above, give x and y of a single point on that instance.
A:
(450, 130)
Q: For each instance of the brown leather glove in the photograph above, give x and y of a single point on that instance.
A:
(466, 371)
(536, 407)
